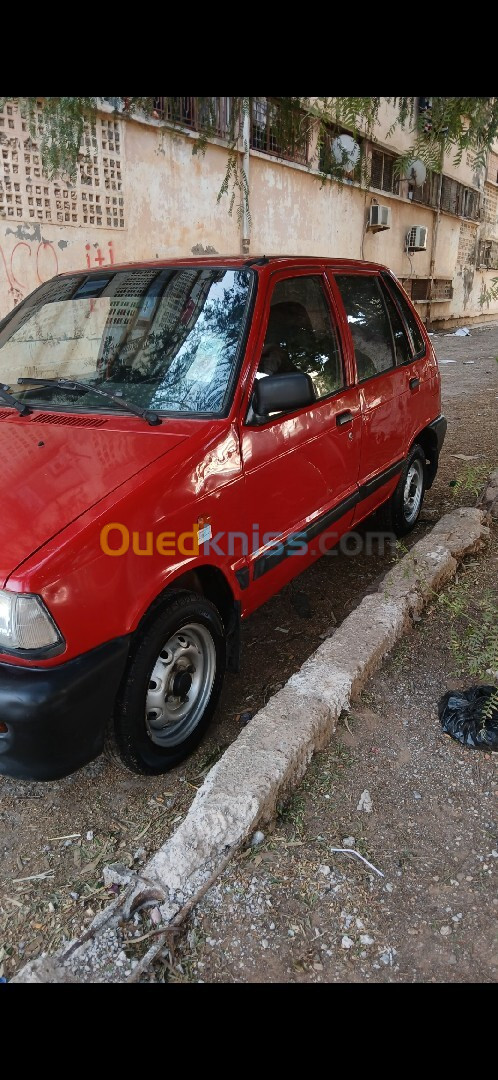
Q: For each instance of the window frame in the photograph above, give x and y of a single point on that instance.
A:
(330, 300)
(393, 287)
(394, 190)
(375, 275)
(383, 290)
(281, 153)
(189, 115)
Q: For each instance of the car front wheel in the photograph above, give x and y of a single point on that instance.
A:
(172, 685)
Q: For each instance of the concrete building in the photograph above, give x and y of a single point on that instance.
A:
(140, 194)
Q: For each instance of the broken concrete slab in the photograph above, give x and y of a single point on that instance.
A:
(268, 759)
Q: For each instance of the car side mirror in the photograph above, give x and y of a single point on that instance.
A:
(282, 393)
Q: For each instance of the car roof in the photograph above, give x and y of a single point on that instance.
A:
(256, 262)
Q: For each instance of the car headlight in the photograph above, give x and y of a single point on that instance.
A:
(25, 623)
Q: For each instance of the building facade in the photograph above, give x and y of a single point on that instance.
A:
(141, 194)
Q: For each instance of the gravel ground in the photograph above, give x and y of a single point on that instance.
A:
(291, 909)
(56, 837)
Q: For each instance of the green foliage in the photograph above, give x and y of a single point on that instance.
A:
(471, 479)
(489, 293)
(58, 130)
(474, 634)
(457, 125)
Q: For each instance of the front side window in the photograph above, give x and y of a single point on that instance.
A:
(163, 338)
(368, 322)
(300, 335)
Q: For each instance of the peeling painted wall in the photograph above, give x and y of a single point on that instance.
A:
(143, 195)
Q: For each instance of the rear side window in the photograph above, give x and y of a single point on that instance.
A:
(411, 322)
(368, 322)
(300, 335)
(401, 343)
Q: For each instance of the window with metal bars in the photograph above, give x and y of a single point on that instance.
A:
(488, 254)
(455, 197)
(273, 133)
(428, 192)
(210, 114)
(442, 289)
(382, 172)
(423, 290)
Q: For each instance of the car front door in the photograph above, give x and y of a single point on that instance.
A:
(381, 382)
(301, 468)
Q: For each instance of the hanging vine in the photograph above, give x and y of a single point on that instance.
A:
(296, 127)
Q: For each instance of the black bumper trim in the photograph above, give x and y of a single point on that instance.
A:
(439, 428)
(242, 576)
(382, 478)
(57, 717)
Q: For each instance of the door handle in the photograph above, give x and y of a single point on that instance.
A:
(414, 383)
(344, 418)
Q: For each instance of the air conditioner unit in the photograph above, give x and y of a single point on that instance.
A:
(379, 217)
(416, 238)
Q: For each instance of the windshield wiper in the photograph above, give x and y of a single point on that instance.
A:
(75, 384)
(22, 409)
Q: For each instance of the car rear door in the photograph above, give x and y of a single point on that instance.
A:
(379, 354)
(301, 469)
(421, 385)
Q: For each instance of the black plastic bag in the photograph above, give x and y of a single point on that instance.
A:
(460, 715)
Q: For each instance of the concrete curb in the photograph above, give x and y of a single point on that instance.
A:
(489, 498)
(267, 760)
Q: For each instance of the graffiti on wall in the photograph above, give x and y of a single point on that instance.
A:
(28, 258)
(51, 226)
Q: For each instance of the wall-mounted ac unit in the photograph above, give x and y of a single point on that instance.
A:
(379, 217)
(416, 238)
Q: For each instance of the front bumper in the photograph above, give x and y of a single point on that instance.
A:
(57, 717)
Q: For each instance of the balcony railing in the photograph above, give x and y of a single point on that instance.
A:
(210, 114)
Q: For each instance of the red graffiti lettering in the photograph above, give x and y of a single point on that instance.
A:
(21, 277)
(12, 290)
(22, 243)
(7, 275)
(49, 245)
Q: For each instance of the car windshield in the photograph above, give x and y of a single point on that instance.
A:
(166, 339)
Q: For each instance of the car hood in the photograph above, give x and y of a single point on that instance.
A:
(50, 474)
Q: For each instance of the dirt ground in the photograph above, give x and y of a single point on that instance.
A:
(289, 909)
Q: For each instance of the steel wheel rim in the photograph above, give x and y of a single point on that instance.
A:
(180, 685)
(413, 491)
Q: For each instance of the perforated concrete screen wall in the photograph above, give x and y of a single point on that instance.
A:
(95, 198)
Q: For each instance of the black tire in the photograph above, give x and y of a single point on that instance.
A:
(396, 513)
(132, 736)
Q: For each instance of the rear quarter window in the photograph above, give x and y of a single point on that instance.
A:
(408, 315)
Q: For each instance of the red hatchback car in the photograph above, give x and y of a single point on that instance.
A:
(179, 440)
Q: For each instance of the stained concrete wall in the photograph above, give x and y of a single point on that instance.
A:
(168, 207)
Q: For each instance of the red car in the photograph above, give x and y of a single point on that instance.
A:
(179, 440)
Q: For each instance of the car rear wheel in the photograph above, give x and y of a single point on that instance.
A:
(172, 685)
(404, 506)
